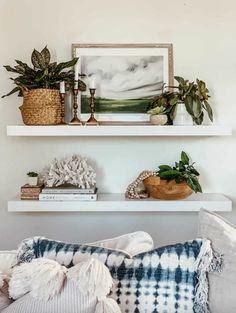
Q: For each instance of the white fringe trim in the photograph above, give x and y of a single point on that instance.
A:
(207, 261)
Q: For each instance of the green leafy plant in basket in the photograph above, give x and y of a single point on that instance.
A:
(183, 171)
(44, 74)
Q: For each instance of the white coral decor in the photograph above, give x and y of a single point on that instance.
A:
(73, 170)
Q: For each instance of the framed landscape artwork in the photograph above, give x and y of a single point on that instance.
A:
(127, 77)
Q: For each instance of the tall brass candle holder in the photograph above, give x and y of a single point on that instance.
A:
(75, 120)
(62, 95)
(92, 120)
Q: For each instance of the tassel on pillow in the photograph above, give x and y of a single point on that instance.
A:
(43, 278)
(107, 305)
(91, 276)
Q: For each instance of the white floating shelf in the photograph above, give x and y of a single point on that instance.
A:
(118, 203)
(119, 130)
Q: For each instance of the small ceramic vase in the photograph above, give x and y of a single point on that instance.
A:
(33, 181)
(182, 117)
(159, 119)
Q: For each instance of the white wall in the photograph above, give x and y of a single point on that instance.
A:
(203, 34)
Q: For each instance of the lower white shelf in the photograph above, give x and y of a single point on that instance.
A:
(118, 203)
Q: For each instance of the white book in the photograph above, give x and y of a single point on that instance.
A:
(66, 190)
(67, 197)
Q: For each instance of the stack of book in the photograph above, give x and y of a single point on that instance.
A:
(29, 192)
(69, 193)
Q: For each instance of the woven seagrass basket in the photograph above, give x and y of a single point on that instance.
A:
(166, 190)
(41, 107)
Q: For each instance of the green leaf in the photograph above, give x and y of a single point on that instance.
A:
(174, 100)
(165, 168)
(172, 113)
(196, 107)
(181, 166)
(209, 110)
(62, 66)
(26, 67)
(179, 179)
(45, 53)
(184, 158)
(194, 184)
(37, 60)
(40, 75)
(82, 85)
(180, 80)
(194, 171)
(170, 174)
(189, 105)
(16, 89)
(198, 120)
(11, 69)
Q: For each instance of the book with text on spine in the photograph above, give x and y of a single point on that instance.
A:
(68, 190)
(67, 197)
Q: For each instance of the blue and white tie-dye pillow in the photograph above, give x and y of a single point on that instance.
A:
(170, 279)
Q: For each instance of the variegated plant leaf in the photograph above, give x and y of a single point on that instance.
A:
(45, 53)
(37, 60)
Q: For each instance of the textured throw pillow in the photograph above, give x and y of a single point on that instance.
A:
(132, 243)
(45, 286)
(170, 279)
(222, 285)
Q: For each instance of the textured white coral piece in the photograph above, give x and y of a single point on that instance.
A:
(73, 170)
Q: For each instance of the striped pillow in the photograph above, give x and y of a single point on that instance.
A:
(165, 280)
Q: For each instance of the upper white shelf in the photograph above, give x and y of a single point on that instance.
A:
(119, 130)
(118, 203)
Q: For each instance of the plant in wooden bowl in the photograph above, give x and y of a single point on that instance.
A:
(174, 183)
(39, 85)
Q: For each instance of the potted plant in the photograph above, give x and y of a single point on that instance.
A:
(39, 85)
(194, 97)
(173, 183)
(32, 178)
(158, 115)
(161, 105)
(186, 102)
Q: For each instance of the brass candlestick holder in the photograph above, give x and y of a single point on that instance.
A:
(92, 120)
(75, 120)
(62, 95)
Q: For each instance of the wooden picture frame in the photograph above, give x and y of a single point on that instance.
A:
(127, 77)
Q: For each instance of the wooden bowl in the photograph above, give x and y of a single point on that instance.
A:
(166, 190)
